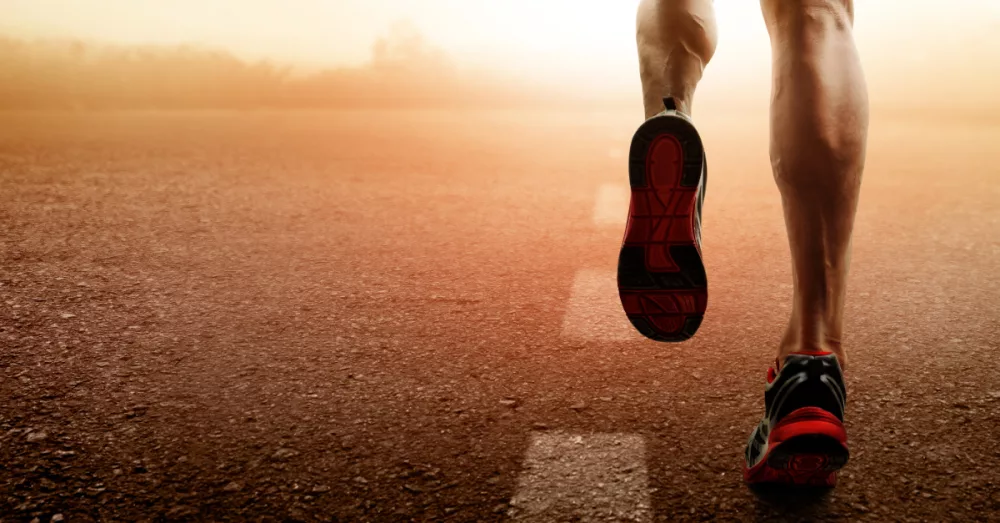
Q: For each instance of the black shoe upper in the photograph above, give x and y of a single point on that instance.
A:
(670, 108)
(804, 380)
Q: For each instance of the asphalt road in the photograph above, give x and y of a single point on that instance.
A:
(395, 316)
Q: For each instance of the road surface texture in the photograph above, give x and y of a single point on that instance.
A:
(412, 316)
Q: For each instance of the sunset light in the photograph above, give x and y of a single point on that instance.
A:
(577, 47)
(331, 32)
(322, 261)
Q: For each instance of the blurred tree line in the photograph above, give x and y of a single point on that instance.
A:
(403, 71)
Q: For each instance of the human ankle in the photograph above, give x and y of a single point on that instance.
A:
(813, 347)
(682, 102)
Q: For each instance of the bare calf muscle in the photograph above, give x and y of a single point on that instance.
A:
(819, 121)
(676, 40)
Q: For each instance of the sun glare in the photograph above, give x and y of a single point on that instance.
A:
(587, 43)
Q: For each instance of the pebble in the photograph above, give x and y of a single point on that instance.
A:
(57, 518)
(231, 487)
(284, 454)
(35, 437)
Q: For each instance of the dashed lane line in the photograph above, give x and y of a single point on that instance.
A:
(611, 205)
(594, 311)
(586, 478)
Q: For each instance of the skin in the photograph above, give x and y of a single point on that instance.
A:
(819, 127)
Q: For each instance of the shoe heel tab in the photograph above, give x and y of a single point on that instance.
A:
(801, 358)
(814, 363)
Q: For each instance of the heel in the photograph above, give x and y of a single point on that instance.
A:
(808, 442)
(808, 421)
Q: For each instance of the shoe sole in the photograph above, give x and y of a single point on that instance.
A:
(806, 449)
(661, 276)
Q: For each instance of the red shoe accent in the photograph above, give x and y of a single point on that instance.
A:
(807, 421)
(806, 448)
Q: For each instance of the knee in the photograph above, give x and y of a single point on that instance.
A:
(807, 15)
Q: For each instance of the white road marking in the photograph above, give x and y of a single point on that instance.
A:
(586, 478)
(594, 311)
(611, 207)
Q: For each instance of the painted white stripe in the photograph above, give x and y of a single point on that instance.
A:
(588, 478)
(594, 311)
(611, 206)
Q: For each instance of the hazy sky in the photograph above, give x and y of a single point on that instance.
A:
(539, 38)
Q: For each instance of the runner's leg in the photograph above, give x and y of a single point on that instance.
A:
(819, 124)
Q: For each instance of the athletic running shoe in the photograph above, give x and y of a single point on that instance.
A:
(801, 440)
(661, 277)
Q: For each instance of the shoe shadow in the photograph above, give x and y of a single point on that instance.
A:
(790, 501)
